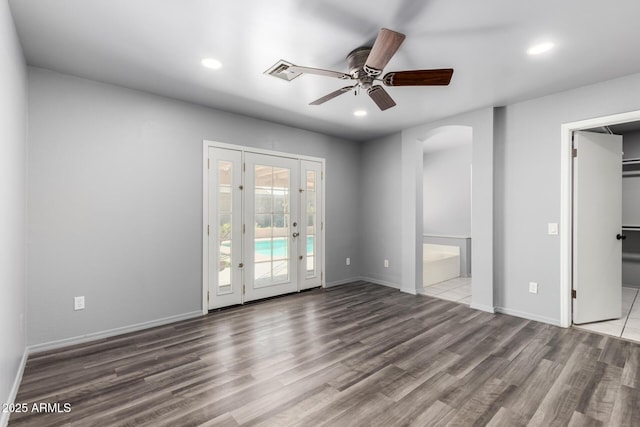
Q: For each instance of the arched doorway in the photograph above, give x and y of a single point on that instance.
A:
(446, 213)
(482, 215)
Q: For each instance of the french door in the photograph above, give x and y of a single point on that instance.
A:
(265, 226)
(272, 229)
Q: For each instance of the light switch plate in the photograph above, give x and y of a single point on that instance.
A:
(552, 228)
(533, 287)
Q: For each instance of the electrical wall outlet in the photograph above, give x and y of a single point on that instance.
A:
(533, 287)
(348, 261)
(78, 303)
(386, 263)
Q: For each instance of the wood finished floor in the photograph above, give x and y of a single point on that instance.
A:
(358, 354)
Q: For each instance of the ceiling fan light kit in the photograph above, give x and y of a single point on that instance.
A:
(365, 66)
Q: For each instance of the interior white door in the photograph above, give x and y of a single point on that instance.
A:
(597, 222)
(272, 226)
(225, 227)
(310, 243)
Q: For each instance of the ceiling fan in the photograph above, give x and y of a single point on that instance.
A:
(365, 67)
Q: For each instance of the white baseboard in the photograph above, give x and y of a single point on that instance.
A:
(111, 332)
(380, 282)
(363, 279)
(482, 307)
(4, 416)
(528, 316)
(343, 282)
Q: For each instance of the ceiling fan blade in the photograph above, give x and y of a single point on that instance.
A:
(320, 72)
(382, 99)
(383, 49)
(331, 95)
(439, 77)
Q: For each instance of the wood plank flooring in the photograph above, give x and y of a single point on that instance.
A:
(354, 355)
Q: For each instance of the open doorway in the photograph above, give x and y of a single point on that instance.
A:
(623, 283)
(620, 245)
(446, 230)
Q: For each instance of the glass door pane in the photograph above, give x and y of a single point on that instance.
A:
(311, 233)
(312, 229)
(272, 220)
(225, 224)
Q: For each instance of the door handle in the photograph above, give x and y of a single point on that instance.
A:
(296, 234)
(621, 237)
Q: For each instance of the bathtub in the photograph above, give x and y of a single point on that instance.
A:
(439, 263)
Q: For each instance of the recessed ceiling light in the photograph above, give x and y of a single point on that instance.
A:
(360, 113)
(212, 63)
(540, 48)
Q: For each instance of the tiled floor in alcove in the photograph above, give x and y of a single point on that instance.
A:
(628, 326)
(458, 290)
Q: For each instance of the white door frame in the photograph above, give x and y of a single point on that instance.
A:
(566, 190)
(205, 205)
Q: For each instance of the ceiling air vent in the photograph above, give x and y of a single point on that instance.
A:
(281, 70)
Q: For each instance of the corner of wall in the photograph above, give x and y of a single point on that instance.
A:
(499, 137)
(13, 209)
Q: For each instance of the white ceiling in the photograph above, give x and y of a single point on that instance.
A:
(157, 46)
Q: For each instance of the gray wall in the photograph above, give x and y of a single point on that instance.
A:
(379, 228)
(13, 186)
(446, 189)
(527, 164)
(115, 202)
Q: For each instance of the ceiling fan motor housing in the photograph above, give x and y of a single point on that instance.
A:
(356, 60)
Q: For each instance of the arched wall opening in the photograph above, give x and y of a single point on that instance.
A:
(482, 124)
(446, 213)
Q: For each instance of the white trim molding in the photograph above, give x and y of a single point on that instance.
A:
(527, 316)
(344, 282)
(485, 308)
(81, 339)
(383, 283)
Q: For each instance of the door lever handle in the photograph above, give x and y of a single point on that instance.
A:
(621, 237)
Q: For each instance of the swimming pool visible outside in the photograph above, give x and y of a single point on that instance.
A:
(279, 244)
